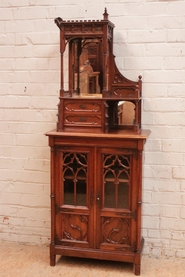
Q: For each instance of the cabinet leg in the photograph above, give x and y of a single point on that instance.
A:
(52, 260)
(137, 268)
(52, 256)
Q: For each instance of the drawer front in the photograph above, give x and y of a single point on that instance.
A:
(82, 106)
(82, 120)
(126, 93)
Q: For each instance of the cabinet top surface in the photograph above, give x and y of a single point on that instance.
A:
(124, 134)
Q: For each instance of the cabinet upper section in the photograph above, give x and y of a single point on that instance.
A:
(91, 65)
(92, 74)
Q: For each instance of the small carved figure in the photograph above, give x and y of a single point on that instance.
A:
(86, 67)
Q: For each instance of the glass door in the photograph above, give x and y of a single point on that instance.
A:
(116, 208)
(74, 208)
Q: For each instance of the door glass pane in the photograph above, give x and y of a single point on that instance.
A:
(68, 192)
(75, 178)
(81, 188)
(81, 193)
(123, 195)
(116, 181)
(109, 195)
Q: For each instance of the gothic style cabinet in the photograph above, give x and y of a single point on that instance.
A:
(96, 151)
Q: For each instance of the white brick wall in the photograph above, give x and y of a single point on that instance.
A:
(149, 40)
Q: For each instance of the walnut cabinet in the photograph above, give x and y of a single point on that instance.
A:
(96, 150)
(96, 195)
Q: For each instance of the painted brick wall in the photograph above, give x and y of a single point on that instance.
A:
(149, 41)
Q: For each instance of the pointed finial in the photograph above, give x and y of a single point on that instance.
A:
(105, 15)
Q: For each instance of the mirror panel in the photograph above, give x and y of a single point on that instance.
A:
(126, 113)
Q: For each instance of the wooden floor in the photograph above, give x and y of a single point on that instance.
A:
(18, 260)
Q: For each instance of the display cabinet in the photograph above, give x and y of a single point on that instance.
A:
(96, 150)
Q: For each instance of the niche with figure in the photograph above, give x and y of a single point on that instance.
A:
(88, 67)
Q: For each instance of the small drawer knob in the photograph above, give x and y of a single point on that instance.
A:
(82, 119)
(82, 107)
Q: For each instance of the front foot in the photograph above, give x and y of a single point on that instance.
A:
(52, 255)
(137, 268)
(52, 260)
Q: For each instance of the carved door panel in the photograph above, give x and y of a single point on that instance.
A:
(116, 200)
(74, 196)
